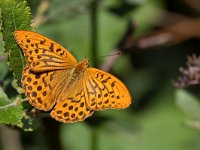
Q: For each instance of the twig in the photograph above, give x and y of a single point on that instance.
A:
(195, 4)
(15, 103)
(178, 28)
(40, 16)
(3, 58)
(64, 9)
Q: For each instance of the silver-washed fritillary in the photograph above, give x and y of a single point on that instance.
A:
(54, 80)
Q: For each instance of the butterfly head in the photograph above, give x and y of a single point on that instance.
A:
(84, 63)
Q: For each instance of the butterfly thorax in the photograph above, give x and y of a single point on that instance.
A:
(76, 73)
(80, 68)
(69, 79)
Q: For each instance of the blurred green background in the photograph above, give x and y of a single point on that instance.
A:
(162, 34)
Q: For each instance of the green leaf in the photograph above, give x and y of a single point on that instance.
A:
(15, 14)
(10, 112)
(188, 103)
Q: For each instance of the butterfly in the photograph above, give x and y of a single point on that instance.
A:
(53, 80)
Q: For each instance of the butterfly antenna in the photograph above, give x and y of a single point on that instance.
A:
(114, 54)
(84, 42)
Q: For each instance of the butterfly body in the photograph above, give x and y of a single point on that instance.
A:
(80, 68)
(54, 80)
(70, 78)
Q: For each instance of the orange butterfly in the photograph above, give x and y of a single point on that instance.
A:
(54, 80)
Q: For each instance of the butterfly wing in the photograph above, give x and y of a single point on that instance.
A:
(97, 90)
(45, 61)
(43, 54)
(104, 91)
(38, 89)
(72, 109)
(42, 89)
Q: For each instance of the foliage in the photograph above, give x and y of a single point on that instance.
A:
(10, 112)
(14, 15)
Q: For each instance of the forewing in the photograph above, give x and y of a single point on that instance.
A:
(43, 54)
(72, 109)
(104, 91)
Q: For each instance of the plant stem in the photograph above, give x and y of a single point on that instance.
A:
(94, 139)
(10, 138)
(94, 33)
(52, 133)
(3, 58)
